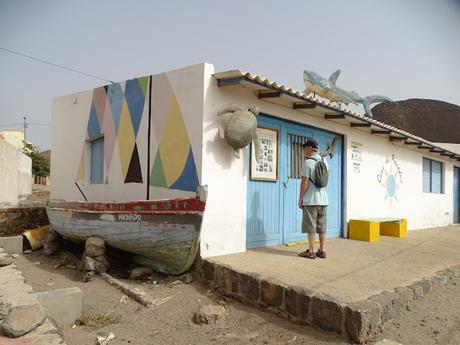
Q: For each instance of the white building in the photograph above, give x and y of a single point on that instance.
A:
(15, 175)
(157, 137)
(13, 137)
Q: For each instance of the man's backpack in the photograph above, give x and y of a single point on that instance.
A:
(321, 173)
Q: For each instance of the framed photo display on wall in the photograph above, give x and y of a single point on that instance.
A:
(266, 169)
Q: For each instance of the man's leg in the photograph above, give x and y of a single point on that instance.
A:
(311, 240)
(321, 226)
(309, 227)
(322, 241)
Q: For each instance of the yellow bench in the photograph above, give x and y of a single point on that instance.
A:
(370, 229)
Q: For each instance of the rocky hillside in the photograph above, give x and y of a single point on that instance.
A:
(433, 120)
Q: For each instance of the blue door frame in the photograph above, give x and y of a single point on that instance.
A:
(273, 216)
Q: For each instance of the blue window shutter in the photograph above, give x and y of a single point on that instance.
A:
(426, 175)
(436, 177)
(97, 161)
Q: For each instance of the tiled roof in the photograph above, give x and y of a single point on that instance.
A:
(236, 77)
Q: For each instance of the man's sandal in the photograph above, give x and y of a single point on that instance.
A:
(307, 254)
(321, 254)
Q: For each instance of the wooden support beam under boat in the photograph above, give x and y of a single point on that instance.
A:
(360, 124)
(334, 116)
(303, 105)
(229, 81)
(424, 147)
(378, 131)
(412, 142)
(268, 94)
(436, 150)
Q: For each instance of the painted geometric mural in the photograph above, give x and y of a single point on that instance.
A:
(116, 113)
(174, 164)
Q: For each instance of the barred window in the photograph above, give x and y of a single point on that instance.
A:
(296, 154)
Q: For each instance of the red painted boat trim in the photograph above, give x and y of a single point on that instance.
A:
(147, 206)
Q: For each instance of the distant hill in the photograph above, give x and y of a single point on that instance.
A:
(46, 154)
(430, 119)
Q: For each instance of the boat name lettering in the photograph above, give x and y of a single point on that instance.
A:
(129, 217)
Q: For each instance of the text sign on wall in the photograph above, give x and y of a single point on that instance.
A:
(390, 177)
(356, 156)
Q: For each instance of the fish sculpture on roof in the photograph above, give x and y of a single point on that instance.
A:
(327, 88)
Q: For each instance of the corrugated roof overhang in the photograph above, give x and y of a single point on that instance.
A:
(273, 92)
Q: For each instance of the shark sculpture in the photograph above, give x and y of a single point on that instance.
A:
(327, 88)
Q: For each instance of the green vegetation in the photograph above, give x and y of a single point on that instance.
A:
(98, 320)
(40, 166)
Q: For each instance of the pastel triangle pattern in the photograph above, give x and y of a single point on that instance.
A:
(81, 168)
(134, 173)
(157, 176)
(116, 113)
(188, 180)
(174, 161)
(135, 100)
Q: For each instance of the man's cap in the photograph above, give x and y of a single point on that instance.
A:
(311, 143)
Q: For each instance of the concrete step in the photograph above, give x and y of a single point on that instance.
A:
(63, 305)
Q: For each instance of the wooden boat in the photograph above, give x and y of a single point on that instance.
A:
(163, 234)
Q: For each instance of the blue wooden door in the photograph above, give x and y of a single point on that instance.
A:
(264, 202)
(292, 152)
(273, 216)
(456, 194)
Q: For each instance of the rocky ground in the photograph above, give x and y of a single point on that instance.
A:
(435, 319)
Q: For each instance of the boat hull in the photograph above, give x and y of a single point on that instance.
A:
(166, 239)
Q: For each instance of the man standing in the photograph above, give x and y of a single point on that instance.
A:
(313, 202)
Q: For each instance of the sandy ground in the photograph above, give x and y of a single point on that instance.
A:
(433, 320)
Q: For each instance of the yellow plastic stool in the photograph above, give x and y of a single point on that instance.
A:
(364, 230)
(395, 229)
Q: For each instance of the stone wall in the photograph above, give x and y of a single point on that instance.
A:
(360, 321)
(13, 221)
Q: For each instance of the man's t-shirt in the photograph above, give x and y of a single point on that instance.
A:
(313, 195)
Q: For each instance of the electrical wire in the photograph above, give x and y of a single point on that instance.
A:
(55, 65)
(13, 125)
(28, 124)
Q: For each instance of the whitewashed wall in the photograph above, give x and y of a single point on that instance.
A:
(69, 127)
(451, 147)
(367, 197)
(224, 225)
(24, 174)
(186, 85)
(224, 228)
(15, 175)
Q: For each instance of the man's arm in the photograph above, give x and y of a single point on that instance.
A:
(303, 189)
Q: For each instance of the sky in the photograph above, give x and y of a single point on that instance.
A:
(401, 49)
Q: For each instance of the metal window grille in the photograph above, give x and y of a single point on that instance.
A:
(297, 158)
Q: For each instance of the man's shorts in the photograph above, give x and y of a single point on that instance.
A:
(314, 219)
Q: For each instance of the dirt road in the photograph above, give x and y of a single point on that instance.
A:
(435, 319)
